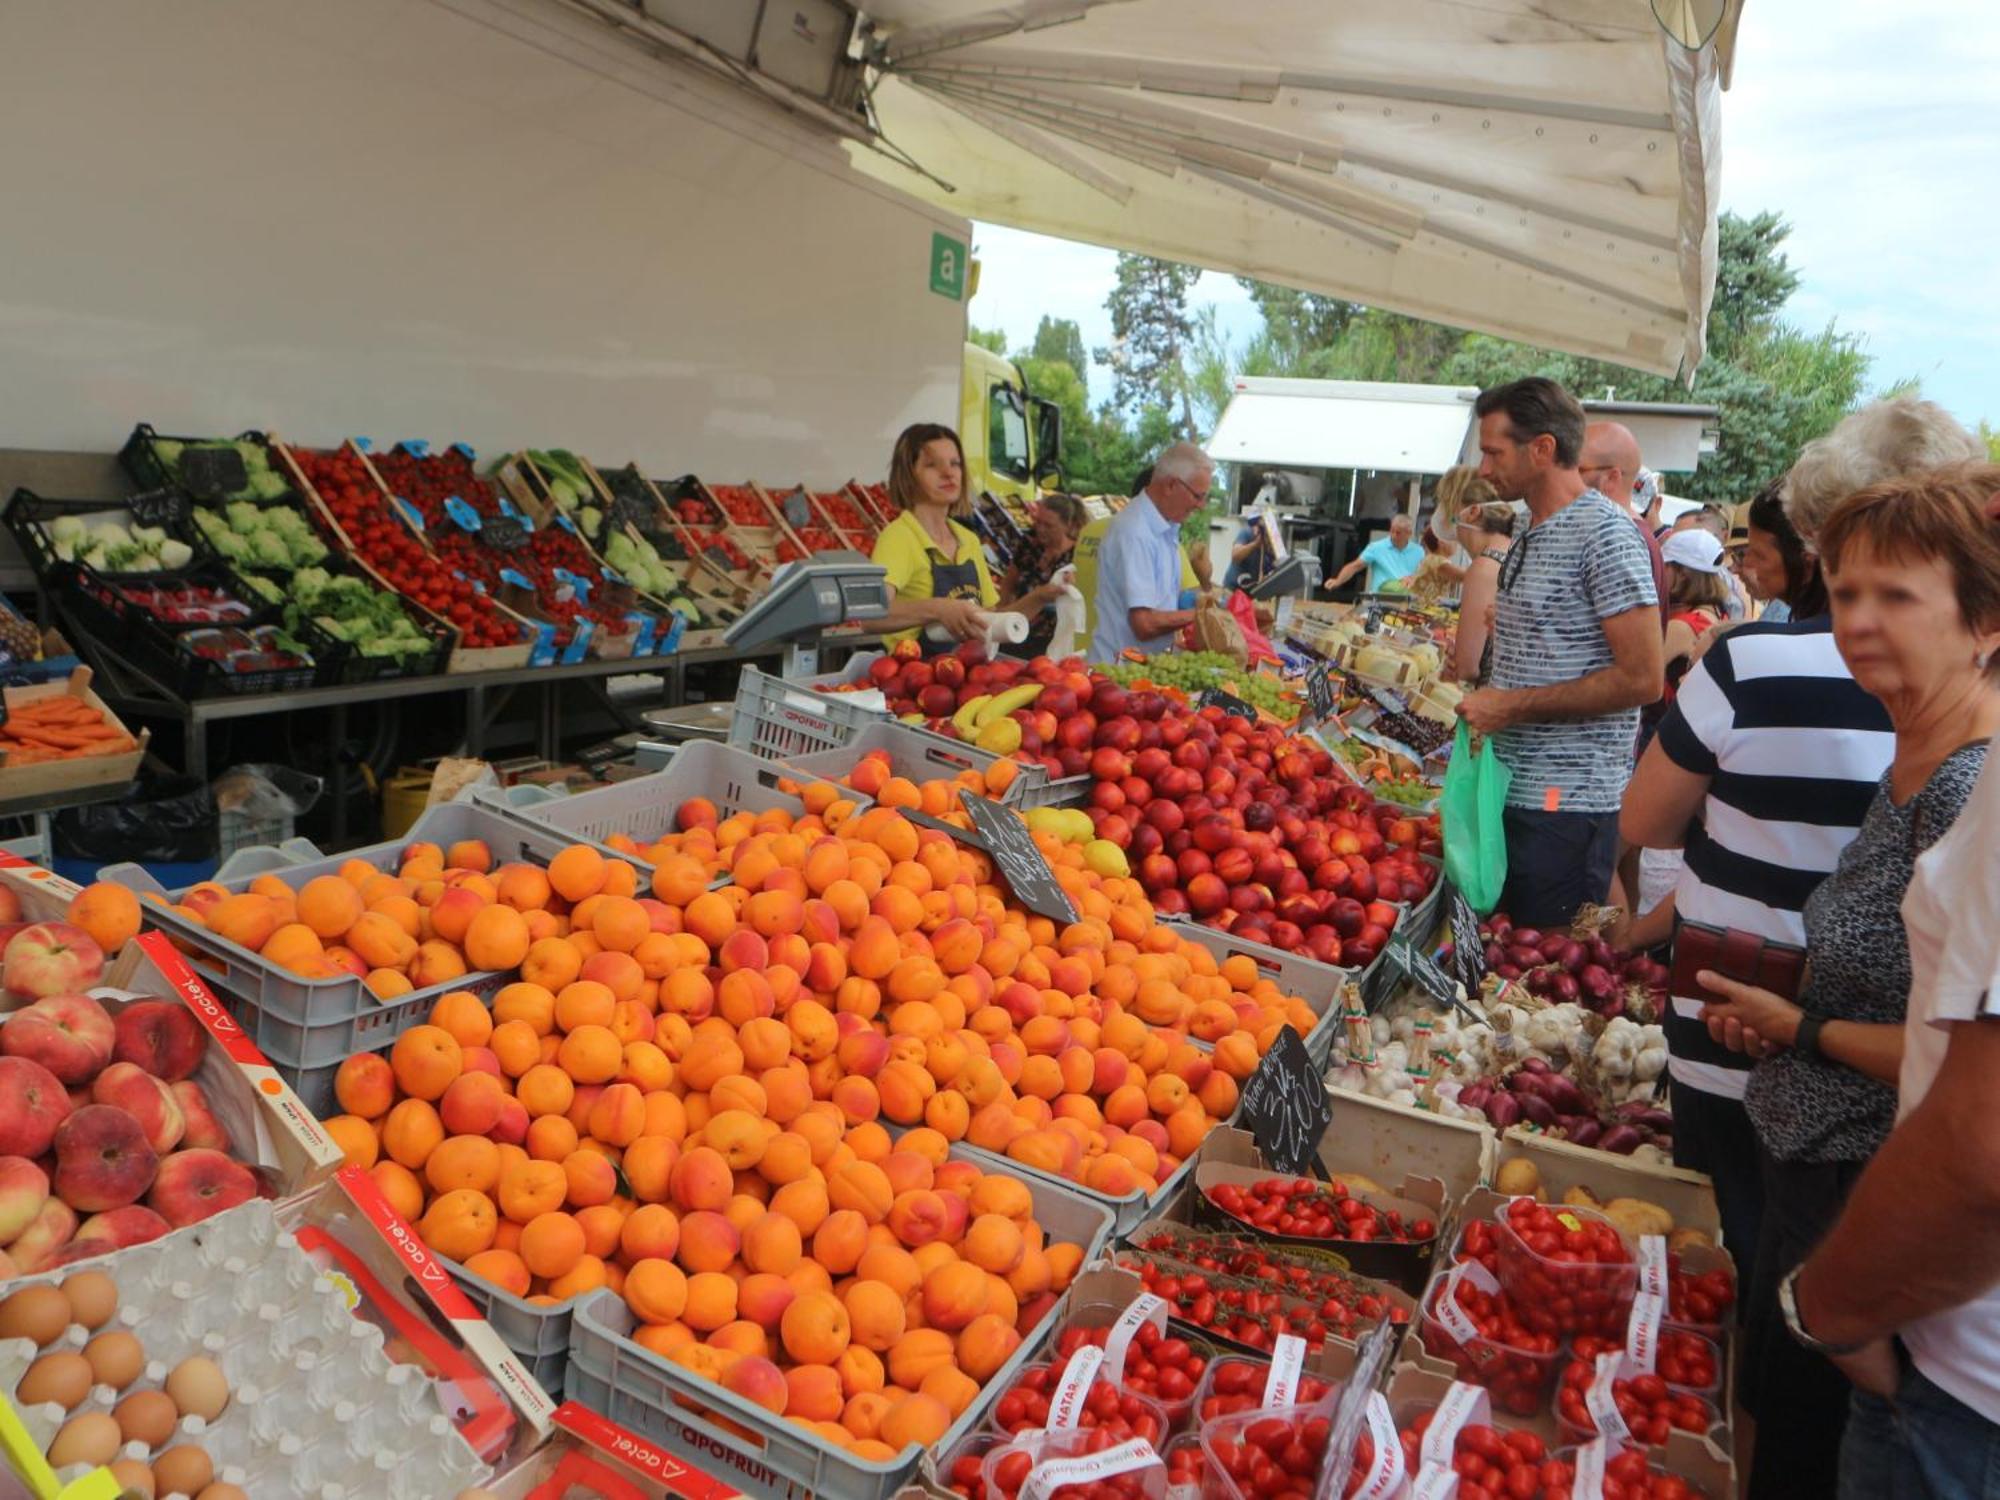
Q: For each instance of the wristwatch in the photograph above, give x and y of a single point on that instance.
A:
(1788, 1304)
(1807, 1040)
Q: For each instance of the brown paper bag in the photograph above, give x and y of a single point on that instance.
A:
(1215, 629)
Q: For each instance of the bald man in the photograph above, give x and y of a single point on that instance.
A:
(1610, 465)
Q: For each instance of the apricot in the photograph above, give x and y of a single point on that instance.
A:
(329, 906)
(805, 1203)
(591, 1178)
(772, 1243)
(591, 1054)
(618, 1115)
(656, 1290)
(356, 1138)
(545, 1089)
(459, 1224)
(839, 1240)
(701, 1179)
(711, 1300)
(365, 1085)
(864, 1188)
(762, 1297)
(875, 1314)
(463, 1161)
(917, 1353)
(993, 1243)
(401, 1187)
(955, 1388)
(411, 1132)
(648, 1165)
(815, 1328)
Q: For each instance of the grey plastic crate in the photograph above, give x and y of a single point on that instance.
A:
(307, 1027)
(750, 1447)
(643, 808)
(1315, 983)
(539, 1336)
(920, 756)
(779, 720)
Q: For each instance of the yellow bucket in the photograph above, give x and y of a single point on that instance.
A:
(403, 796)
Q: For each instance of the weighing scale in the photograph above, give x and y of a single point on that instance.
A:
(829, 588)
(1298, 575)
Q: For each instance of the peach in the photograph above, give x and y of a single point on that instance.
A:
(953, 1295)
(656, 1290)
(763, 1297)
(70, 1035)
(161, 1036)
(36, 1247)
(152, 1103)
(838, 1242)
(191, 1185)
(471, 1104)
(113, 1230)
(103, 1159)
(426, 1059)
(24, 1188)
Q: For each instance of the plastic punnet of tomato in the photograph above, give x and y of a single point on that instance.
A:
(1307, 1209)
(1567, 1269)
(1491, 1463)
(1267, 1455)
(962, 1469)
(1484, 1338)
(1699, 1300)
(1074, 1464)
(1033, 1401)
(1347, 1303)
(1625, 1475)
(1237, 1383)
(1158, 1363)
(1187, 1467)
(1645, 1405)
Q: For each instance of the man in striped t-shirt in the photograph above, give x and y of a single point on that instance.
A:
(1576, 651)
(1762, 770)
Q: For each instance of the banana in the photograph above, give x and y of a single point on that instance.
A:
(1003, 704)
(965, 723)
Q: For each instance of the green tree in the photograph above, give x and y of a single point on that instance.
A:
(1753, 279)
(1151, 330)
(1060, 339)
(1295, 323)
(987, 338)
(1990, 436)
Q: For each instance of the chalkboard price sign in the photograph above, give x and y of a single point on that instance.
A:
(158, 508)
(1285, 1106)
(1468, 954)
(507, 533)
(213, 473)
(1229, 703)
(1013, 850)
(1320, 699)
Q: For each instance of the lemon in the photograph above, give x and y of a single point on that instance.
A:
(1105, 858)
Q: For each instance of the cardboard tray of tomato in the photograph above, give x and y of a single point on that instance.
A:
(1245, 1313)
(1298, 1270)
(379, 539)
(710, 538)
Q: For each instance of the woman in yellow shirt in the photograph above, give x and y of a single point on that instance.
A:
(936, 568)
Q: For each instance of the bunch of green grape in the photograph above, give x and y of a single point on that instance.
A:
(1191, 671)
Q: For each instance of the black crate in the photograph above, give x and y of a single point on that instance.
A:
(30, 516)
(149, 469)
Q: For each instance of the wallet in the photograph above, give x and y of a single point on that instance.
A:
(1746, 956)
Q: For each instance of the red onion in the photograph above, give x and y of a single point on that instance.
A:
(1507, 971)
(1536, 1109)
(1552, 945)
(1565, 1094)
(1603, 953)
(1495, 955)
(1531, 936)
(1524, 955)
(1563, 986)
(1535, 1065)
(1538, 981)
(1475, 1095)
(1585, 1132)
(1598, 983)
(1571, 955)
(1613, 1008)
(1620, 1140)
(1503, 1110)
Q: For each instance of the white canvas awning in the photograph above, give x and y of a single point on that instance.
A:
(1546, 170)
(1344, 424)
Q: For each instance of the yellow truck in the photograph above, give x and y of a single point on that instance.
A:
(1012, 438)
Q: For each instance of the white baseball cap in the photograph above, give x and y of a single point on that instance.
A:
(1697, 550)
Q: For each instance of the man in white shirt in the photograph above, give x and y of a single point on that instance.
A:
(1915, 1258)
(1139, 564)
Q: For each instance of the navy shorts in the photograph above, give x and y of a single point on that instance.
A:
(1556, 861)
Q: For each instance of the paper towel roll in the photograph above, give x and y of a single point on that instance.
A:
(1005, 629)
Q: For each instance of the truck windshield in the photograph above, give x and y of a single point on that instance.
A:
(1007, 432)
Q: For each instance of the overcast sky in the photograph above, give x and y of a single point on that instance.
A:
(1875, 130)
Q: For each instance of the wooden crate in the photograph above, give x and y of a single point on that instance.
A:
(47, 778)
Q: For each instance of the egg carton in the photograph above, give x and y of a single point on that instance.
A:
(317, 1409)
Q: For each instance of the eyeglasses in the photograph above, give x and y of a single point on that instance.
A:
(1510, 568)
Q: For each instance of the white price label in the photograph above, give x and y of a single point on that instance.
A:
(1386, 1474)
(1434, 1482)
(1146, 1308)
(1601, 1404)
(1590, 1460)
(1653, 1265)
(1066, 1406)
(1642, 1334)
(1475, 1272)
(1462, 1404)
(1288, 1362)
(1452, 1317)
(1046, 1478)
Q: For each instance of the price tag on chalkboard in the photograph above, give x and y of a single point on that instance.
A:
(508, 533)
(1229, 703)
(1422, 968)
(1468, 954)
(797, 509)
(629, 509)
(213, 473)
(1285, 1106)
(716, 558)
(1320, 700)
(1024, 866)
(158, 508)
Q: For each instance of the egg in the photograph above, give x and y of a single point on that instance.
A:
(135, 1475)
(221, 1491)
(117, 1358)
(198, 1388)
(40, 1313)
(184, 1470)
(63, 1378)
(93, 1298)
(89, 1439)
(147, 1417)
